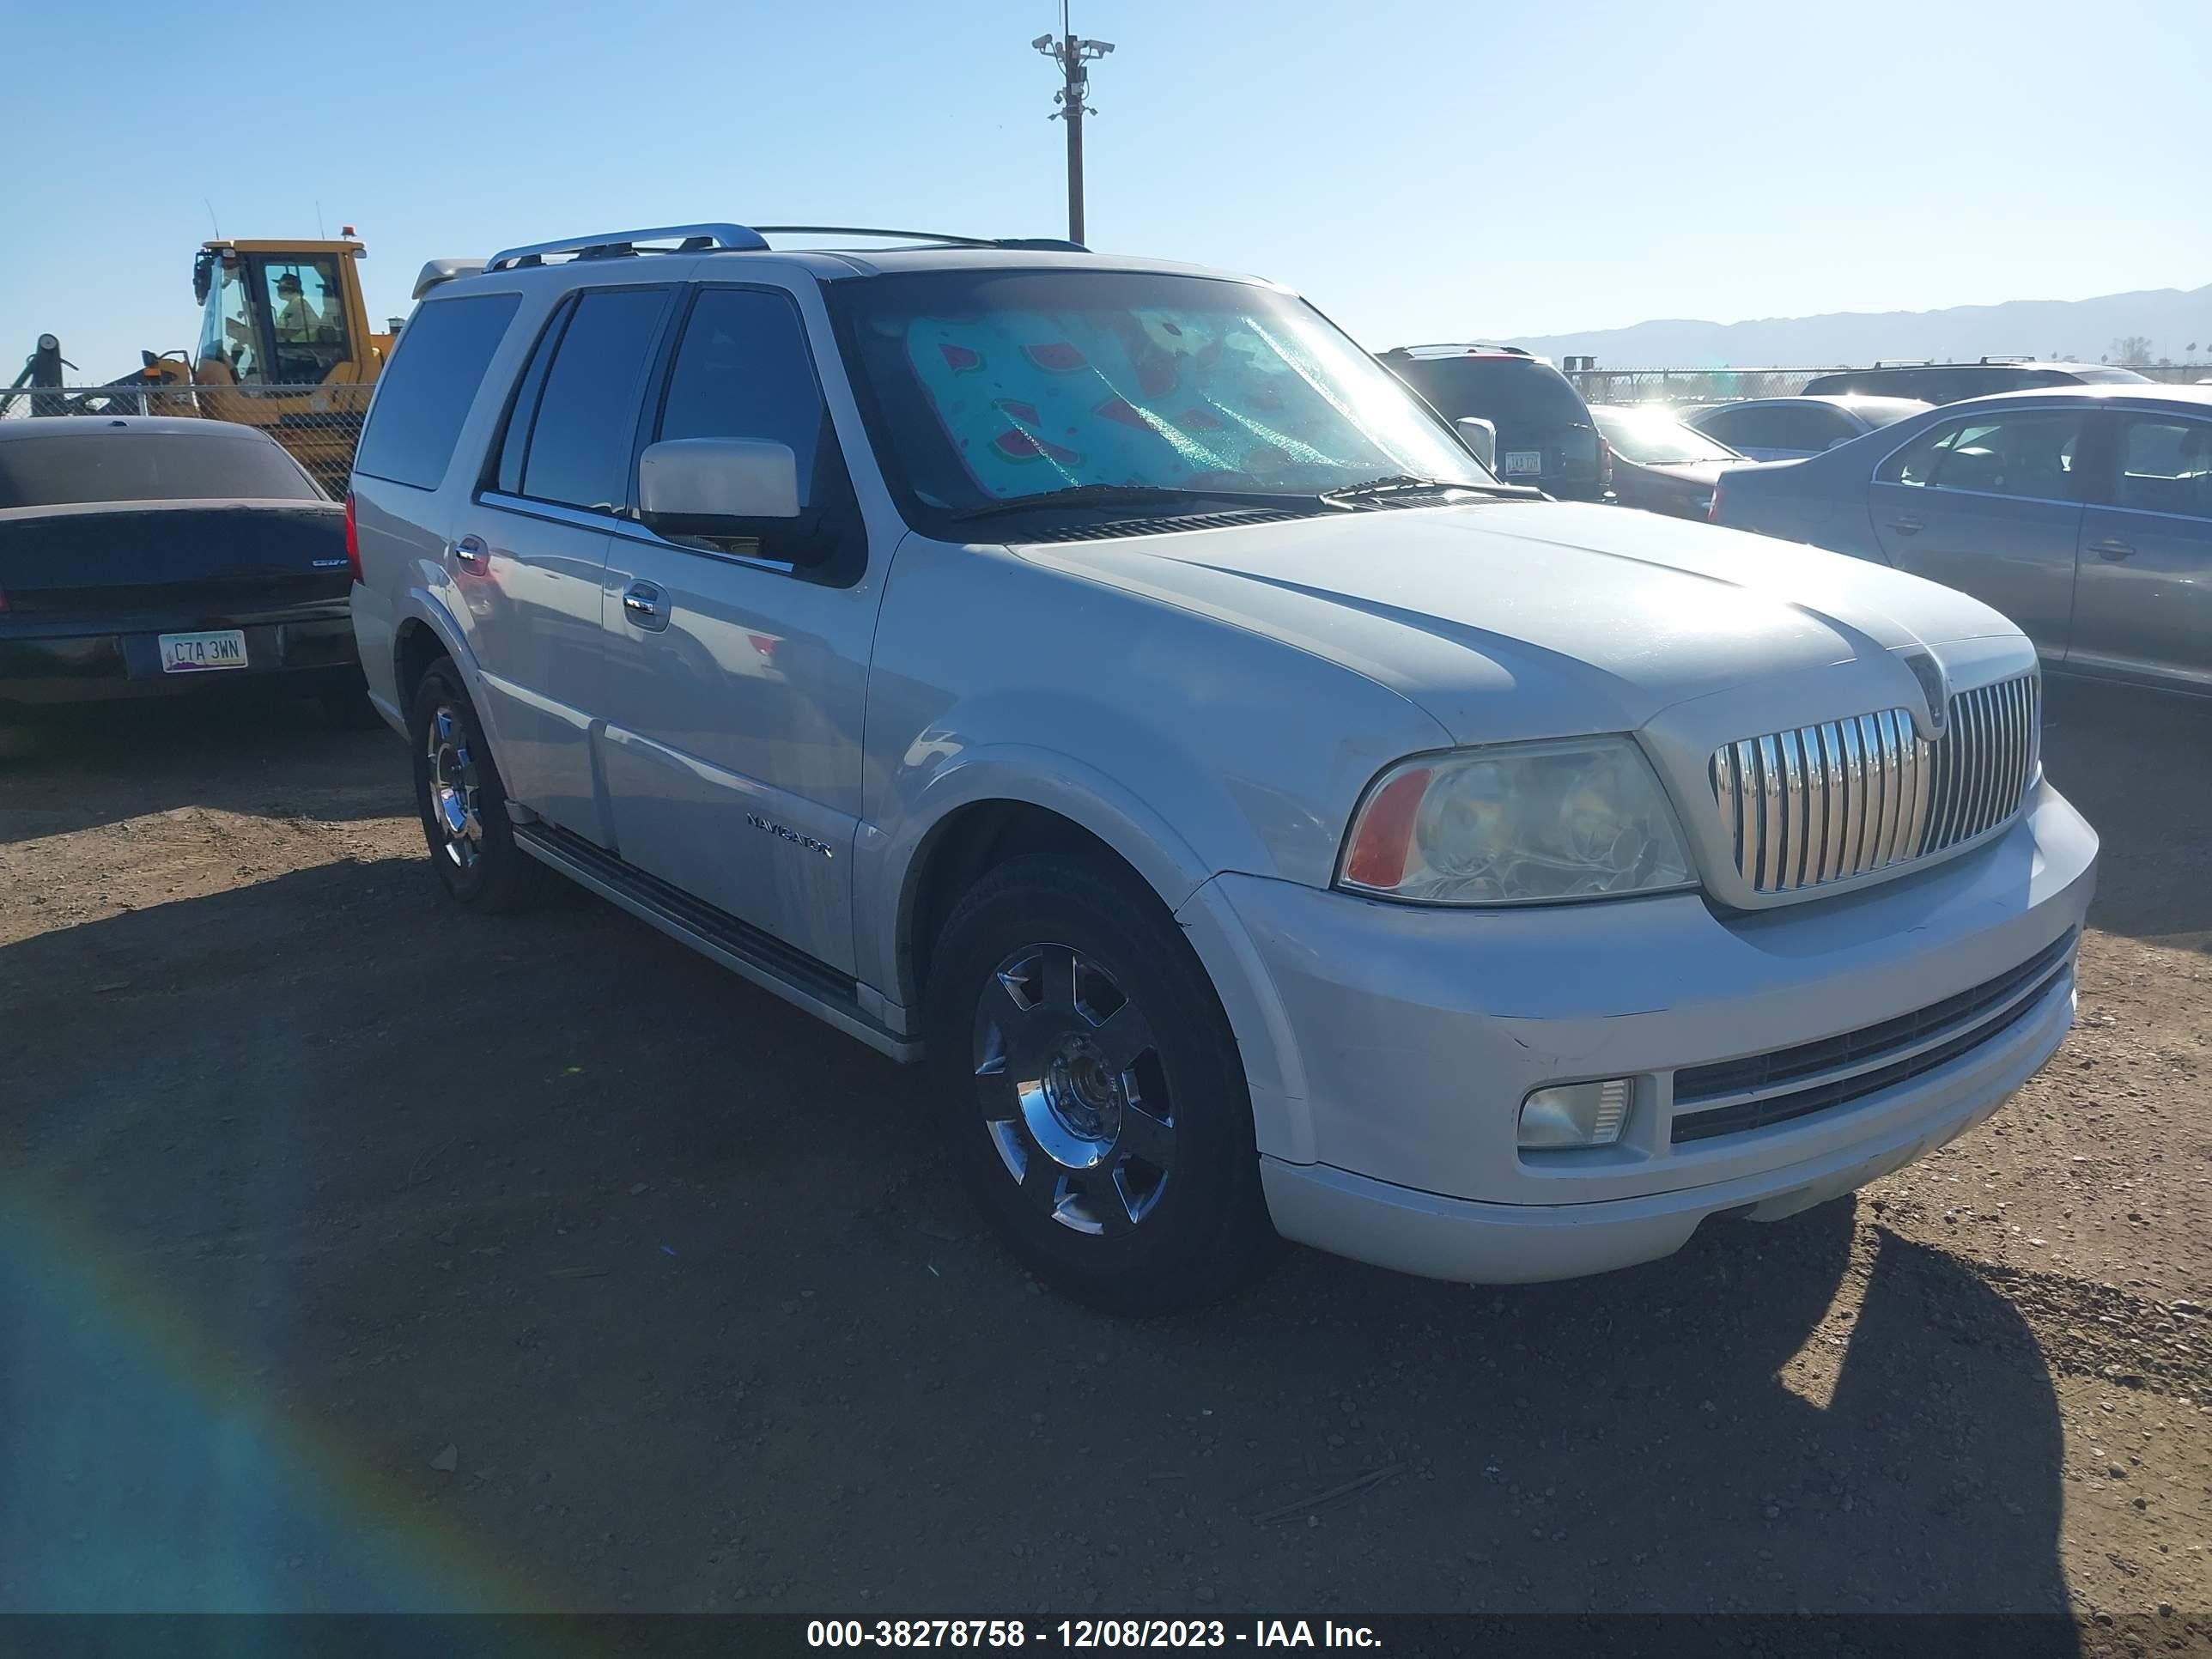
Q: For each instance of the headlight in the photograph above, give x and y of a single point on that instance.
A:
(1583, 817)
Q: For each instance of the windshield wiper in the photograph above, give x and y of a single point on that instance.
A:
(1114, 495)
(1399, 483)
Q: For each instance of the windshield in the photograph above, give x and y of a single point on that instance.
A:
(107, 466)
(2092, 375)
(1651, 437)
(995, 387)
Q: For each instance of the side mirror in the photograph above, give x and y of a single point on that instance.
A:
(1481, 436)
(723, 488)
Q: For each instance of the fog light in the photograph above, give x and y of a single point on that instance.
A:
(1576, 1114)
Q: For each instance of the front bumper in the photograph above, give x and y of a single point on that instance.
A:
(298, 651)
(1405, 1039)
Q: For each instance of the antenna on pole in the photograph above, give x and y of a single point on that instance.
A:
(1074, 56)
(212, 220)
(321, 235)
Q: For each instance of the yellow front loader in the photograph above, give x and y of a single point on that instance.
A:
(285, 344)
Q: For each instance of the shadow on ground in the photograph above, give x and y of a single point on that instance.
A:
(75, 768)
(2108, 747)
(448, 1262)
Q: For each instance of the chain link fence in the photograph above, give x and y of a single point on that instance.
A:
(318, 424)
(1721, 385)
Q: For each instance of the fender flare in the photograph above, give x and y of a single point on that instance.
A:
(889, 863)
(425, 606)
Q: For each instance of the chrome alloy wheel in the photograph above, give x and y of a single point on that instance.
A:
(453, 788)
(1072, 1089)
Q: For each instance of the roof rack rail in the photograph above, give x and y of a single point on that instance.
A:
(715, 239)
(944, 238)
(1468, 346)
(691, 239)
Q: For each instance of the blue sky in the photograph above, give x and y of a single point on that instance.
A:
(1421, 168)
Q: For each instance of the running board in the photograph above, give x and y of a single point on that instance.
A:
(743, 949)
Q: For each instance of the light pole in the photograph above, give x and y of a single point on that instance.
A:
(1075, 57)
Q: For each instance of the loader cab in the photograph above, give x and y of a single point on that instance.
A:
(281, 315)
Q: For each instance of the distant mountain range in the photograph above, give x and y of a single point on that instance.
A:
(2168, 323)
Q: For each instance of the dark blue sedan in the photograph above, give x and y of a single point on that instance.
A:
(2083, 513)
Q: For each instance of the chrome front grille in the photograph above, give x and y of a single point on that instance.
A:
(1825, 803)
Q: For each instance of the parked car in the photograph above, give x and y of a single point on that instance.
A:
(2083, 513)
(1658, 462)
(147, 557)
(1791, 428)
(1949, 383)
(1545, 434)
(1101, 678)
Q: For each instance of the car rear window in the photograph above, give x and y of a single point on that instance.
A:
(426, 391)
(1493, 388)
(105, 464)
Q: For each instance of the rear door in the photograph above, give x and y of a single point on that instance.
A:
(1989, 505)
(737, 679)
(2142, 601)
(529, 549)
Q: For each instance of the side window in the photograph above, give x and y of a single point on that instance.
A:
(522, 411)
(1813, 426)
(1775, 427)
(2166, 466)
(579, 441)
(1738, 427)
(424, 394)
(742, 370)
(2029, 455)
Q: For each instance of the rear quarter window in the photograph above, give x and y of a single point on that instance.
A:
(424, 395)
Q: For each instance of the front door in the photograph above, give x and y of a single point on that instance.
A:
(1988, 506)
(737, 684)
(531, 548)
(2142, 603)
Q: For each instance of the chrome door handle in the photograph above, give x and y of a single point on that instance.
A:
(644, 603)
(2110, 549)
(470, 553)
(1907, 526)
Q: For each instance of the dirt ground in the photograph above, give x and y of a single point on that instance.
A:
(355, 1252)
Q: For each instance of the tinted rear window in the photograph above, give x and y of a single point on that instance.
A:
(425, 393)
(106, 464)
(1510, 389)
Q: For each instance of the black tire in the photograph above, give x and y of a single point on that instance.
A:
(493, 874)
(1178, 1233)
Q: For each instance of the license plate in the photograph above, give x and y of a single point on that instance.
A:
(193, 654)
(1519, 461)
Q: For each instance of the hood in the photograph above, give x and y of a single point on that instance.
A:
(1528, 619)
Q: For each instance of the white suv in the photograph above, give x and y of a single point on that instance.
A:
(1102, 678)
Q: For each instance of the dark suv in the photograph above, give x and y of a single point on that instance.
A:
(1545, 434)
(1947, 383)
